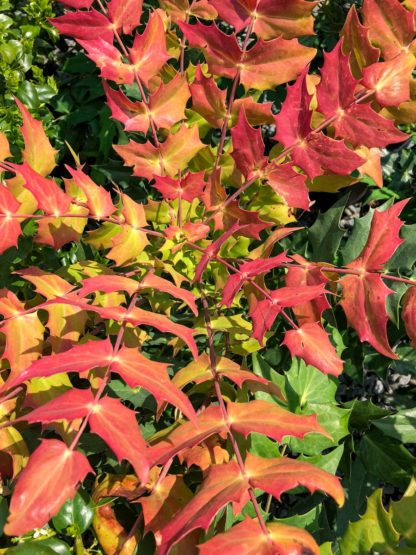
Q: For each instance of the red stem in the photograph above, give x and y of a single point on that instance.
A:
(234, 444)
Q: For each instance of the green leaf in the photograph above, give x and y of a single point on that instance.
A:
(374, 530)
(31, 548)
(386, 459)
(308, 521)
(325, 234)
(76, 513)
(58, 546)
(364, 413)
(403, 514)
(401, 426)
(329, 461)
(404, 258)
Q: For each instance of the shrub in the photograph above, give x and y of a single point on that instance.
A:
(211, 259)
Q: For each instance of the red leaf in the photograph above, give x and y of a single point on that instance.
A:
(311, 343)
(248, 148)
(275, 476)
(390, 80)
(264, 66)
(188, 434)
(391, 26)
(357, 123)
(84, 25)
(409, 314)
(247, 538)
(75, 403)
(190, 187)
(80, 358)
(307, 274)
(108, 284)
(117, 426)
(10, 230)
(356, 41)
(272, 475)
(224, 484)
(288, 184)
(166, 106)
(273, 17)
(49, 479)
(313, 152)
(364, 304)
(270, 420)
(383, 239)
(264, 312)
(247, 271)
(136, 370)
(137, 317)
(50, 198)
(148, 54)
(98, 199)
(207, 99)
(125, 14)
(109, 60)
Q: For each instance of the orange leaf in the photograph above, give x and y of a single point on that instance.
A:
(311, 343)
(390, 80)
(247, 538)
(49, 479)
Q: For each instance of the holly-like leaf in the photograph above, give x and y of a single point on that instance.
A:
(390, 80)
(224, 484)
(275, 476)
(356, 41)
(311, 343)
(117, 426)
(307, 274)
(38, 152)
(109, 60)
(75, 403)
(136, 370)
(166, 106)
(208, 99)
(391, 26)
(23, 332)
(256, 416)
(364, 294)
(98, 199)
(10, 230)
(50, 198)
(247, 537)
(125, 14)
(172, 156)
(49, 479)
(248, 151)
(85, 25)
(264, 66)
(357, 123)
(264, 312)
(271, 18)
(148, 53)
(272, 475)
(188, 187)
(313, 152)
(247, 271)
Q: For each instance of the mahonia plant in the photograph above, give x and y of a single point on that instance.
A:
(189, 88)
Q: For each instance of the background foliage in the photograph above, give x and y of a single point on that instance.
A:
(369, 410)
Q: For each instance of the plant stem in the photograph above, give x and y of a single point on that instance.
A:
(234, 444)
